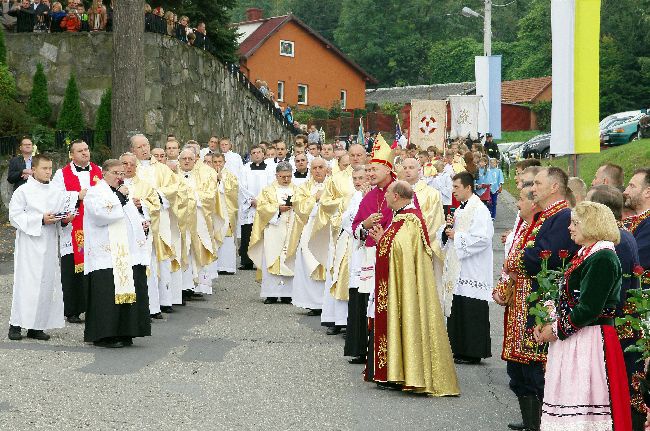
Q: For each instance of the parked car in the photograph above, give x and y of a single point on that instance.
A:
(621, 128)
(537, 147)
(513, 153)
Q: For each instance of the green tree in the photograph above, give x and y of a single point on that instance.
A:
(103, 118)
(70, 117)
(533, 49)
(38, 105)
(269, 7)
(7, 83)
(216, 16)
(321, 15)
(3, 48)
(453, 60)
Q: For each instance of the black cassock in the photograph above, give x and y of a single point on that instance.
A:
(105, 318)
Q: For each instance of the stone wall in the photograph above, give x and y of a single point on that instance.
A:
(189, 92)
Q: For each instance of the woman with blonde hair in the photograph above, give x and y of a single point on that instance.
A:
(97, 16)
(586, 382)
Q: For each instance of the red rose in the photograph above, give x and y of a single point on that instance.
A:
(638, 270)
(563, 254)
(545, 254)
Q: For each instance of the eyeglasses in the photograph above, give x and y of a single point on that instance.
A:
(117, 174)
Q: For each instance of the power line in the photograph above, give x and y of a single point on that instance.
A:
(504, 5)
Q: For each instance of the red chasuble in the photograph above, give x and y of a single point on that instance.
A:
(72, 184)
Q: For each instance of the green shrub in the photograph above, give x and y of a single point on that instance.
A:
(390, 108)
(70, 117)
(360, 112)
(43, 137)
(13, 118)
(543, 112)
(7, 84)
(103, 118)
(3, 47)
(38, 105)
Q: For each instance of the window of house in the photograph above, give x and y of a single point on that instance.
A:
(280, 91)
(286, 48)
(302, 94)
(344, 99)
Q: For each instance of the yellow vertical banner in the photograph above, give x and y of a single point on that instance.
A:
(586, 77)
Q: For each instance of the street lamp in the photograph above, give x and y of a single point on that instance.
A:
(487, 25)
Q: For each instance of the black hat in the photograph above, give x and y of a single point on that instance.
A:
(488, 135)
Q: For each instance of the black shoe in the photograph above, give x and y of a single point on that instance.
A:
(187, 295)
(271, 300)
(522, 408)
(37, 334)
(333, 330)
(285, 300)
(357, 360)
(246, 268)
(14, 333)
(225, 273)
(314, 312)
(197, 295)
(158, 316)
(389, 386)
(167, 309)
(110, 343)
(532, 412)
(467, 361)
(128, 341)
(74, 319)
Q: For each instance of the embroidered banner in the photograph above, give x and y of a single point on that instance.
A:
(428, 124)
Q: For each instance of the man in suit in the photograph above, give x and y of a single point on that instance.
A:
(20, 167)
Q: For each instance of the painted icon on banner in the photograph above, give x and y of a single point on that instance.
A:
(428, 125)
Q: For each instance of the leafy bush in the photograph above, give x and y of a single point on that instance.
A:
(390, 108)
(3, 47)
(103, 120)
(43, 137)
(39, 106)
(7, 83)
(543, 112)
(13, 118)
(70, 117)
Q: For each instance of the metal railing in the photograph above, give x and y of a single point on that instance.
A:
(62, 138)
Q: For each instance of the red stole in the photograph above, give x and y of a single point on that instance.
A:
(382, 272)
(72, 184)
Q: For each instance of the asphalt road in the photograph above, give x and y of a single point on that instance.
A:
(232, 363)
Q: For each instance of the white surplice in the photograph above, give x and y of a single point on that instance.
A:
(251, 184)
(307, 292)
(37, 301)
(468, 257)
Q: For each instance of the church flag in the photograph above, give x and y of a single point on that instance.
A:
(576, 43)
(464, 116)
(360, 133)
(398, 133)
(428, 123)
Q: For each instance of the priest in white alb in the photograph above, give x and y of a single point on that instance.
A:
(270, 236)
(466, 286)
(34, 210)
(309, 278)
(116, 254)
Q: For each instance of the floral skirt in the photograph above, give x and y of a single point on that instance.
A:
(586, 384)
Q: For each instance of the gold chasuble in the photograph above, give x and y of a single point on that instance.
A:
(411, 347)
(333, 203)
(429, 203)
(230, 187)
(270, 242)
(304, 201)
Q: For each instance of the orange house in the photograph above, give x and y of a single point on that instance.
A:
(300, 67)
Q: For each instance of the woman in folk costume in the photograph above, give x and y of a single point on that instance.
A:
(274, 219)
(586, 384)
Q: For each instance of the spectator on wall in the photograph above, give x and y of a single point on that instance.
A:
(71, 23)
(201, 36)
(56, 16)
(25, 17)
(97, 16)
(314, 136)
(183, 28)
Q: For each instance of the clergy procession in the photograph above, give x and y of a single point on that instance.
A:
(391, 249)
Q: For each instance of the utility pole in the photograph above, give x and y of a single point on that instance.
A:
(487, 29)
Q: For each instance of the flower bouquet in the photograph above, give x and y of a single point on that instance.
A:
(637, 312)
(546, 296)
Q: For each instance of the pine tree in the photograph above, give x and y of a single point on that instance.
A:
(39, 105)
(103, 120)
(70, 118)
(3, 48)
